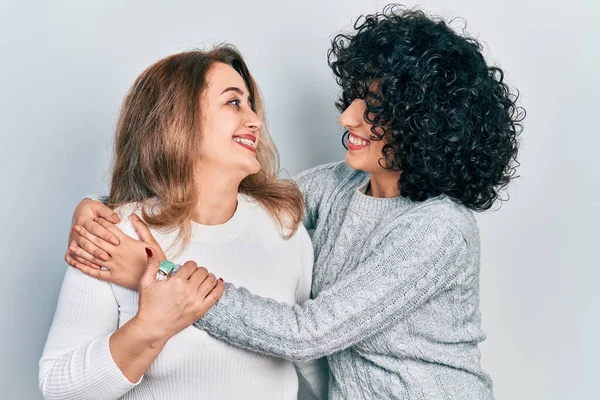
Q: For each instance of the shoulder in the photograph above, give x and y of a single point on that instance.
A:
(437, 217)
(451, 215)
(430, 230)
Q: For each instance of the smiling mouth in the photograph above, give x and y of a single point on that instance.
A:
(246, 141)
(356, 142)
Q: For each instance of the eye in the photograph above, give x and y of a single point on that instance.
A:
(235, 102)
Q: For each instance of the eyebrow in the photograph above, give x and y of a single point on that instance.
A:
(233, 89)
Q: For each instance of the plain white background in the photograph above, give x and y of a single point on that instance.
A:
(66, 65)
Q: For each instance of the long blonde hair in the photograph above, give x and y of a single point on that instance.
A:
(156, 145)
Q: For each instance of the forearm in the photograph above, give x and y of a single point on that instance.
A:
(85, 373)
(106, 368)
(397, 278)
(77, 362)
(296, 333)
(134, 348)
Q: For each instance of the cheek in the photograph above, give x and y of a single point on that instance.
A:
(376, 153)
(217, 132)
(377, 148)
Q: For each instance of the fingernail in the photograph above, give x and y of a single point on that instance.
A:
(77, 228)
(221, 279)
(95, 219)
(116, 218)
(104, 257)
(134, 217)
(149, 252)
(114, 241)
(72, 249)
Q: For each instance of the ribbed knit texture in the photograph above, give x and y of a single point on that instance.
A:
(396, 296)
(77, 363)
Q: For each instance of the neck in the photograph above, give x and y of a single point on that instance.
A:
(384, 185)
(217, 198)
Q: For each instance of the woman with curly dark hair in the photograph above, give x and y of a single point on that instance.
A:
(431, 133)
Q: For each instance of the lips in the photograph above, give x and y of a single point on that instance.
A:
(356, 142)
(248, 141)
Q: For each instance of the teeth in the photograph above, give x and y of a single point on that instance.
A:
(357, 141)
(244, 140)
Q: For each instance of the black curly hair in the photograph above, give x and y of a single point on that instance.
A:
(450, 121)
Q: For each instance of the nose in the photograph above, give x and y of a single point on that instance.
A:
(252, 121)
(353, 116)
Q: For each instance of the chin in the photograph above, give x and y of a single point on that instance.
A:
(252, 168)
(366, 163)
(355, 162)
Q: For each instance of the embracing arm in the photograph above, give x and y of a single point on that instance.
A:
(403, 273)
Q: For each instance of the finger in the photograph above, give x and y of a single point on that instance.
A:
(94, 227)
(146, 235)
(90, 248)
(111, 228)
(207, 285)
(103, 211)
(74, 260)
(69, 259)
(103, 275)
(199, 276)
(86, 262)
(185, 272)
(213, 296)
(84, 248)
(142, 229)
(152, 265)
(103, 248)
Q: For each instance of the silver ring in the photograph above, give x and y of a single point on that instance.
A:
(161, 276)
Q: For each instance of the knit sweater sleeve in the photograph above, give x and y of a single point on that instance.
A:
(76, 362)
(313, 184)
(313, 373)
(410, 265)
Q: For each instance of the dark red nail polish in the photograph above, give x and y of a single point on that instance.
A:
(149, 251)
(221, 279)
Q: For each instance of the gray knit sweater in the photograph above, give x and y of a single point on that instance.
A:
(395, 296)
